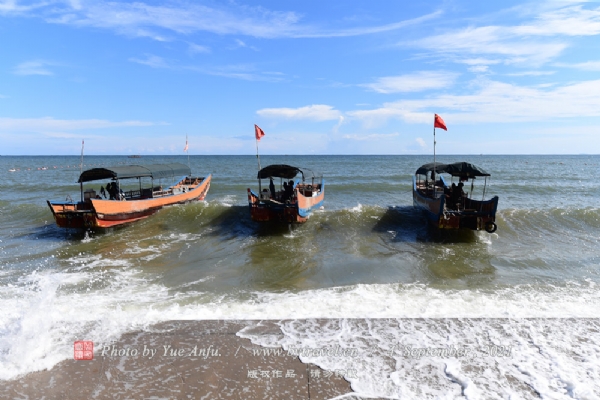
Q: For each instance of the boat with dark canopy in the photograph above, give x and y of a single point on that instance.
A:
(447, 204)
(124, 200)
(291, 199)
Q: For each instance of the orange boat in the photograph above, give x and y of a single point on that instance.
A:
(293, 202)
(119, 203)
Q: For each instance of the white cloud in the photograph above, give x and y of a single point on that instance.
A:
(316, 112)
(493, 102)
(240, 71)
(372, 136)
(532, 73)
(421, 142)
(196, 48)
(33, 68)
(141, 19)
(413, 82)
(151, 61)
(537, 41)
(584, 66)
(59, 125)
(479, 69)
(479, 61)
(11, 7)
(568, 21)
(339, 124)
(499, 42)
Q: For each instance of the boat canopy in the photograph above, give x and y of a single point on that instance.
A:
(463, 169)
(279, 171)
(153, 171)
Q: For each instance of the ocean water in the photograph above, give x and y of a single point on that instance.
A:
(524, 299)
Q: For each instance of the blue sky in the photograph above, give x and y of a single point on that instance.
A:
(319, 77)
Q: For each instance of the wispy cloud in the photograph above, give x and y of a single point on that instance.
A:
(532, 73)
(241, 44)
(537, 41)
(240, 71)
(196, 48)
(412, 82)
(59, 125)
(308, 32)
(494, 41)
(151, 61)
(372, 136)
(494, 101)
(317, 112)
(421, 142)
(572, 20)
(584, 66)
(147, 20)
(479, 69)
(11, 7)
(246, 72)
(37, 67)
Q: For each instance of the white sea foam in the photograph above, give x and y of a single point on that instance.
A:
(450, 358)
(45, 312)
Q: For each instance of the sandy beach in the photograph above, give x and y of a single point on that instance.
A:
(182, 360)
(412, 358)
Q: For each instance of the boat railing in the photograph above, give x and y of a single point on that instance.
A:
(132, 194)
(192, 181)
(161, 193)
(309, 190)
(137, 194)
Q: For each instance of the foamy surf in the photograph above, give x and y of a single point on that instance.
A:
(45, 312)
(449, 358)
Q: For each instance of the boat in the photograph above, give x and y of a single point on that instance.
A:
(299, 192)
(124, 199)
(446, 204)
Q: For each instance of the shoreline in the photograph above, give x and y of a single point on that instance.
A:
(181, 360)
(352, 358)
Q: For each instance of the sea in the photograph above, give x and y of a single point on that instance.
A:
(433, 314)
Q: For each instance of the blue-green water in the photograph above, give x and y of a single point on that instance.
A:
(366, 254)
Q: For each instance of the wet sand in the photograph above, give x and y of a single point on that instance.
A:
(182, 360)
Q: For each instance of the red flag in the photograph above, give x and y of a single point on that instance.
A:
(438, 122)
(258, 132)
(186, 145)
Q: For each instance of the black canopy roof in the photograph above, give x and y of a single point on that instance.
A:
(455, 169)
(279, 171)
(153, 171)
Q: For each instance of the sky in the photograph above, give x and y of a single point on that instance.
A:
(319, 77)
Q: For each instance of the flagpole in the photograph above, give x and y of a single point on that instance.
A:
(81, 170)
(257, 156)
(187, 152)
(434, 154)
(258, 159)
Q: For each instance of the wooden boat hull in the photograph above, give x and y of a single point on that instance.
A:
(475, 215)
(99, 213)
(296, 211)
